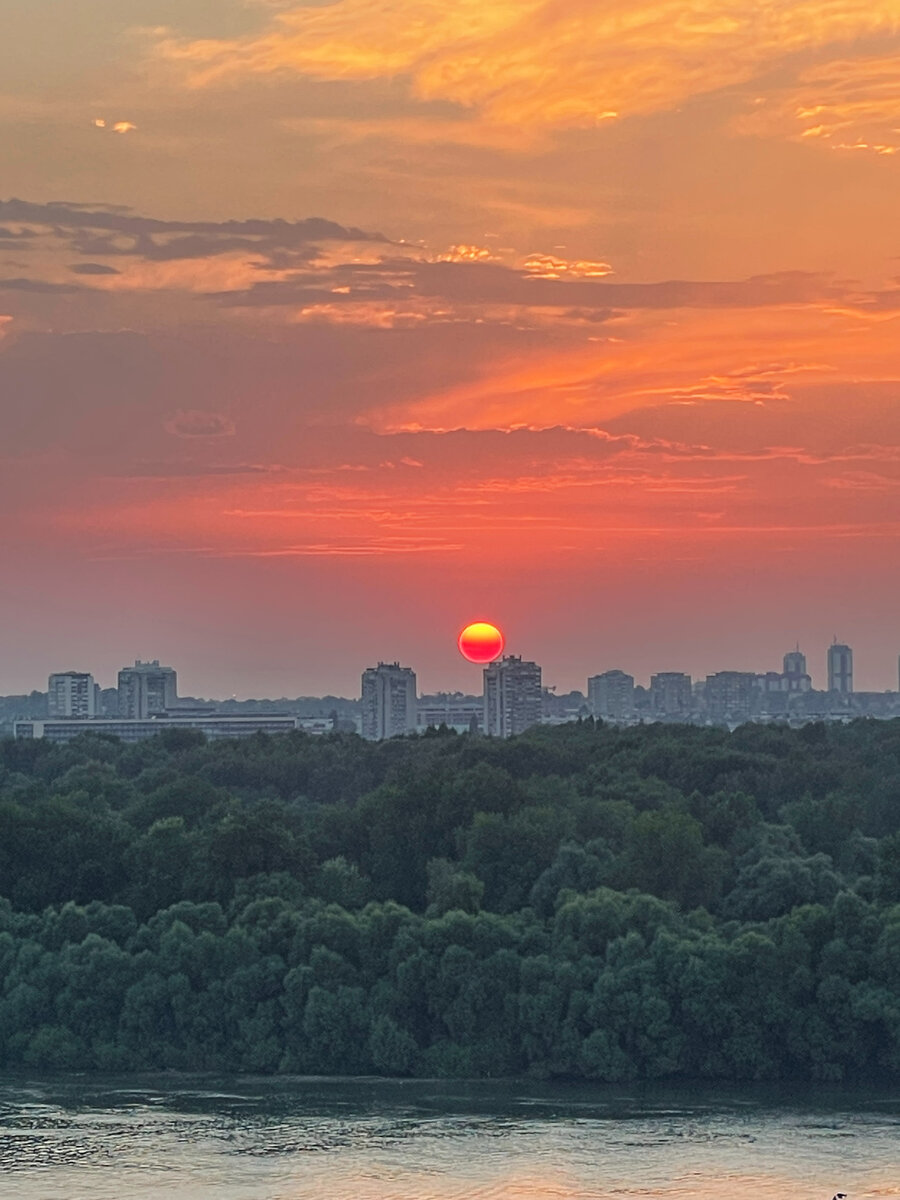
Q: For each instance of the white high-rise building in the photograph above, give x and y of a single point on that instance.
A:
(147, 690)
(388, 701)
(512, 696)
(72, 694)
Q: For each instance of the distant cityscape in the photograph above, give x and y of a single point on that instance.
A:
(145, 701)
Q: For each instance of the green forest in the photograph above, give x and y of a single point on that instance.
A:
(584, 902)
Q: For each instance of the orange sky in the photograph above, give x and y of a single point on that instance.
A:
(325, 328)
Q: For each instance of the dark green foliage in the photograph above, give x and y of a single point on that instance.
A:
(582, 901)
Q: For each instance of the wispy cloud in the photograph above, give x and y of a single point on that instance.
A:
(536, 63)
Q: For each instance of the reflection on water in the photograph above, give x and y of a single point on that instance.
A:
(80, 1138)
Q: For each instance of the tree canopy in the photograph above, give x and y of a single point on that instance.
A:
(581, 901)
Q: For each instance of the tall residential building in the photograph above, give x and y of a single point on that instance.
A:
(730, 695)
(611, 695)
(72, 694)
(795, 676)
(146, 690)
(388, 701)
(840, 669)
(670, 694)
(512, 696)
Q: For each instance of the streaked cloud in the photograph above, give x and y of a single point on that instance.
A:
(536, 62)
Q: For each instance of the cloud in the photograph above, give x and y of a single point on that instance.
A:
(200, 423)
(536, 63)
(317, 272)
(480, 283)
(114, 126)
(38, 286)
(687, 362)
(92, 268)
(110, 231)
(190, 470)
(15, 235)
(846, 104)
(373, 548)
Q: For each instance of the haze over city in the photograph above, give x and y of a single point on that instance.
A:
(323, 334)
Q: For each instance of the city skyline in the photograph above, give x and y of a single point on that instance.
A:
(327, 327)
(163, 677)
(514, 699)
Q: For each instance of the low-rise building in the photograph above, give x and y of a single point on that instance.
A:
(136, 730)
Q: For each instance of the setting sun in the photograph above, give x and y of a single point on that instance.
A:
(480, 642)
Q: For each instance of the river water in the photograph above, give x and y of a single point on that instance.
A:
(89, 1138)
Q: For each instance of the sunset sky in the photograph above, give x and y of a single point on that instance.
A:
(326, 328)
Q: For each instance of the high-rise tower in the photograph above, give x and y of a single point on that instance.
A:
(146, 690)
(71, 694)
(388, 701)
(611, 695)
(840, 668)
(512, 696)
(671, 694)
(795, 675)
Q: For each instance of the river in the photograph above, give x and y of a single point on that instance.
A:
(90, 1138)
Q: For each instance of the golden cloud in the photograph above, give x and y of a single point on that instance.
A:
(114, 126)
(539, 63)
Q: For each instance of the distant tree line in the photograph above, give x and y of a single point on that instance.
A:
(582, 901)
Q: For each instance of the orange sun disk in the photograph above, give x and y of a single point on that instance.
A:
(480, 642)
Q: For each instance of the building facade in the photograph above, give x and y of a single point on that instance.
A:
(840, 669)
(388, 701)
(72, 694)
(146, 690)
(456, 710)
(134, 730)
(671, 695)
(611, 695)
(795, 674)
(512, 696)
(732, 695)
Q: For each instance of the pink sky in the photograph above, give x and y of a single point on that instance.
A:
(327, 328)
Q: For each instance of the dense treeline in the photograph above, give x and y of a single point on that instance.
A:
(581, 901)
